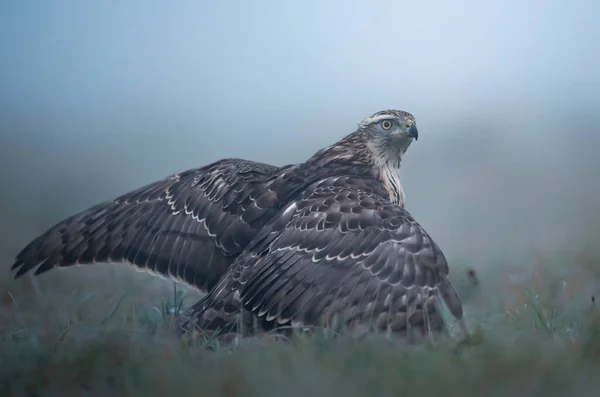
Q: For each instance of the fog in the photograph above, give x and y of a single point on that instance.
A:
(99, 98)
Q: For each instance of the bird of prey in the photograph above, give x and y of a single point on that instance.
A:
(327, 242)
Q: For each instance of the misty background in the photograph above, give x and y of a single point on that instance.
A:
(99, 98)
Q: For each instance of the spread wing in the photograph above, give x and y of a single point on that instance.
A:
(188, 226)
(343, 254)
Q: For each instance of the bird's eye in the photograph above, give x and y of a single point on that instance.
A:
(386, 124)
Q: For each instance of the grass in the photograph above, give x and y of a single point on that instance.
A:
(106, 330)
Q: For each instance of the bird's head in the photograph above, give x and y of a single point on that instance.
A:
(379, 143)
(389, 133)
(380, 140)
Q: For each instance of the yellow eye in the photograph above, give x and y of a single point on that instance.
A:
(386, 124)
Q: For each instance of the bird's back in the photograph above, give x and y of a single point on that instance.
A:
(339, 253)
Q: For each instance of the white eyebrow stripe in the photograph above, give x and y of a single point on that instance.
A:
(377, 117)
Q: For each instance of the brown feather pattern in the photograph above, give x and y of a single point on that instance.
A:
(189, 226)
(343, 257)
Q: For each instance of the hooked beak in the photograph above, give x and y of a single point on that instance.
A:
(413, 132)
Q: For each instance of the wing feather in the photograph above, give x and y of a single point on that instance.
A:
(189, 226)
(344, 254)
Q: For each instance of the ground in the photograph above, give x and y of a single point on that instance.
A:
(105, 331)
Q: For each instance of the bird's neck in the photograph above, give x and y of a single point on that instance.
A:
(345, 157)
(387, 160)
(389, 175)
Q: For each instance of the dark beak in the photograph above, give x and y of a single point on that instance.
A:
(413, 132)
